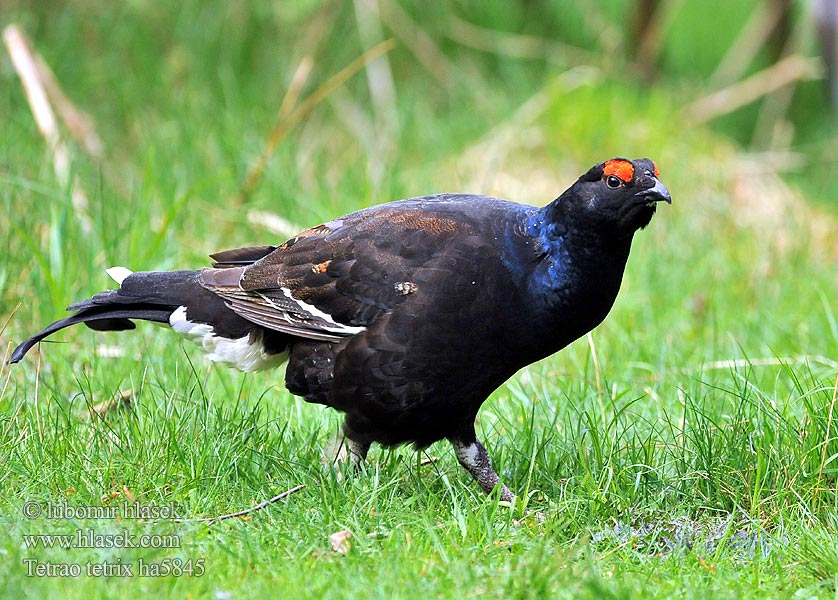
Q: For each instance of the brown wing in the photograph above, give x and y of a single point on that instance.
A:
(334, 280)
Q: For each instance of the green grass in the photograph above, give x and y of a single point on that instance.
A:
(686, 450)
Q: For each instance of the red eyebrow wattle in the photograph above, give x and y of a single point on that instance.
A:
(619, 168)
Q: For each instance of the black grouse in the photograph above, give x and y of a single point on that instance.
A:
(407, 315)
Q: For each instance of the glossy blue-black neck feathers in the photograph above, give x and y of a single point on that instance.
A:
(569, 273)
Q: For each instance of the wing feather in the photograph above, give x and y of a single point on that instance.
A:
(333, 281)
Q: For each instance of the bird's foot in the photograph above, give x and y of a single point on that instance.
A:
(474, 459)
(349, 451)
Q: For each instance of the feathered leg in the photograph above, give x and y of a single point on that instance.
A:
(473, 457)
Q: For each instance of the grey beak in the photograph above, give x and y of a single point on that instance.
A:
(656, 194)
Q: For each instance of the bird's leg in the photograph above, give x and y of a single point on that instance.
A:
(474, 458)
(352, 451)
(349, 450)
(357, 451)
(353, 448)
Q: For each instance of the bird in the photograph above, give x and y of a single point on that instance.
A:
(404, 316)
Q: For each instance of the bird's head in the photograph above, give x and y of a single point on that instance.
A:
(618, 196)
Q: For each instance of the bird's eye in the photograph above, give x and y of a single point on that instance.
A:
(613, 182)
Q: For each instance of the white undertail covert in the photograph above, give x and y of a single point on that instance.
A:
(245, 353)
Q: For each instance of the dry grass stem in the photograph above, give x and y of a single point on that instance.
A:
(246, 511)
(417, 41)
(119, 402)
(41, 86)
(789, 70)
(517, 45)
(284, 126)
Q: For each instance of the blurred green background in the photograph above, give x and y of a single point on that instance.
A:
(135, 66)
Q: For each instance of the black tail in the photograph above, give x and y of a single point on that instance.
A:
(151, 296)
